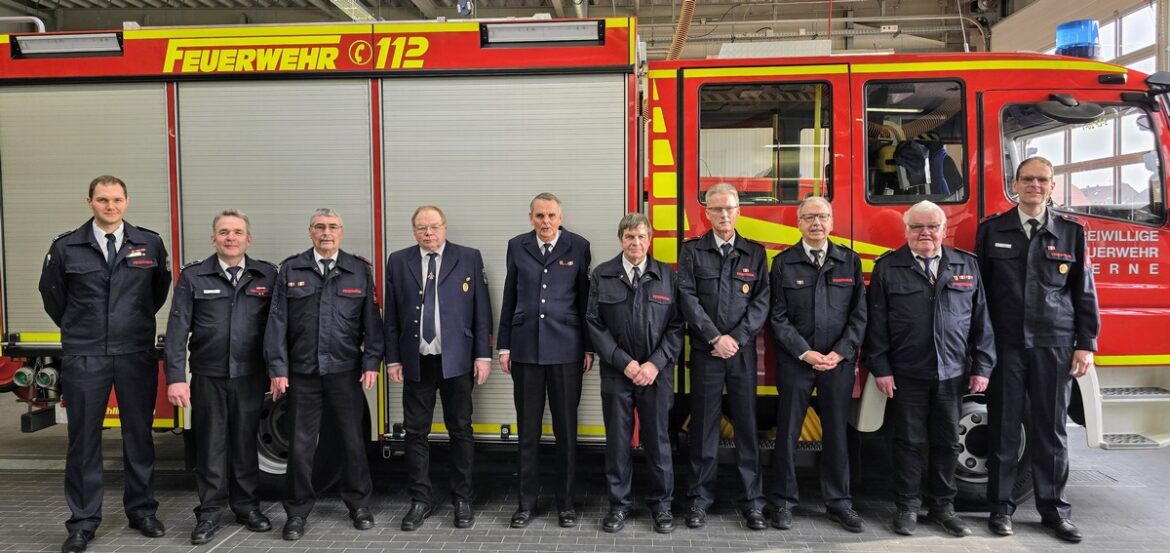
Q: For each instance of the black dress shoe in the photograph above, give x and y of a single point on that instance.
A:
(663, 522)
(905, 522)
(150, 526)
(754, 518)
(204, 531)
(464, 517)
(414, 518)
(1000, 524)
(848, 519)
(77, 541)
(614, 521)
(952, 524)
(294, 528)
(362, 518)
(1064, 529)
(780, 518)
(696, 517)
(255, 521)
(521, 518)
(567, 518)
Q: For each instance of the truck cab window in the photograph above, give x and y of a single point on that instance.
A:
(769, 140)
(915, 139)
(1108, 167)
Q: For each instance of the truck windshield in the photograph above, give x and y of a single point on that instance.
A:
(1107, 168)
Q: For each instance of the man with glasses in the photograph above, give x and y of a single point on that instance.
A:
(323, 345)
(927, 317)
(438, 339)
(818, 319)
(1043, 306)
(723, 294)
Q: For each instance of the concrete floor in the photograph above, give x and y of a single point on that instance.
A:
(1119, 502)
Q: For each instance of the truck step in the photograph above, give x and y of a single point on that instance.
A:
(1135, 393)
(1129, 441)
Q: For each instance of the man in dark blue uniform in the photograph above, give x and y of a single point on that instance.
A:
(102, 284)
(1043, 306)
(927, 317)
(438, 339)
(323, 345)
(219, 312)
(723, 293)
(637, 329)
(818, 318)
(544, 345)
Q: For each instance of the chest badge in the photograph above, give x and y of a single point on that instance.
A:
(746, 288)
(1063, 268)
(466, 287)
(136, 252)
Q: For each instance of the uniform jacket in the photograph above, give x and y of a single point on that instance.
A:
(635, 324)
(542, 320)
(717, 299)
(926, 331)
(320, 325)
(104, 311)
(1043, 293)
(819, 309)
(221, 324)
(465, 309)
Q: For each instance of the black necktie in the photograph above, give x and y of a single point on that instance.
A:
(636, 278)
(926, 262)
(234, 275)
(325, 263)
(547, 249)
(1035, 226)
(816, 257)
(111, 250)
(429, 300)
(726, 249)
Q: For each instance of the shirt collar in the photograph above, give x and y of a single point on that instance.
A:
(628, 267)
(224, 266)
(808, 249)
(317, 257)
(101, 234)
(1043, 217)
(540, 243)
(422, 252)
(719, 242)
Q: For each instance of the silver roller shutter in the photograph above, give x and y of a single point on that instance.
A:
(480, 148)
(53, 141)
(275, 150)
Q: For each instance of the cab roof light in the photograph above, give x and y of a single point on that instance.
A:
(557, 33)
(67, 44)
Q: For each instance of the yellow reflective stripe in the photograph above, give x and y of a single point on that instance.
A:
(259, 31)
(255, 41)
(767, 231)
(619, 23)
(665, 184)
(666, 249)
(632, 35)
(661, 152)
(654, 90)
(766, 391)
(158, 423)
(769, 71)
(1125, 360)
(381, 404)
(436, 27)
(810, 430)
(493, 428)
(662, 74)
(665, 217)
(657, 121)
(38, 337)
(986, 65)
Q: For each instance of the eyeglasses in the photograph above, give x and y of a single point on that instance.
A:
(718, 209)
(810, 217)
(918, 227)
(322, 227)
(1037, 180)
(423, 228)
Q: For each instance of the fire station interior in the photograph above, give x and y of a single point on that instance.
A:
(772, 141)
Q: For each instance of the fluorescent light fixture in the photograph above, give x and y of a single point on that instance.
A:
(543, 32)
(353, 10)
(894, 110)
(90, 43)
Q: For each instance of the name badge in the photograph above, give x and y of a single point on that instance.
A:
(215, 291)
(1002, 245)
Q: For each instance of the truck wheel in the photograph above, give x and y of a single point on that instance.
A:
(971, 472)
(272, 444)
(8, 367)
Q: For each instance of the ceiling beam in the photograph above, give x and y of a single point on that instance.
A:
(17, 6)
(324, 9)
(427, 8)
(559, 8)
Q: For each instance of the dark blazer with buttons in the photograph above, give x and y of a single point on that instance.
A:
(1044, 292)
(742, 307)
(635, 324)
(222, 324)
(927, 331)
(819, 309)
(103, 311)
(542, 320)
(323, 325)
(465, 310)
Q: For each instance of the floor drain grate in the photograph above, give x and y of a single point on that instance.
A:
(1089, 477)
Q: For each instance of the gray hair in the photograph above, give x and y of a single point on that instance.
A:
(546, 196)
(232, 213)
(633, 221)
(925, 206)
(811, 199)
(422, 208)
(325, 212)
(722, 188)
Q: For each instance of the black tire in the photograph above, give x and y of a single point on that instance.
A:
(971, 473)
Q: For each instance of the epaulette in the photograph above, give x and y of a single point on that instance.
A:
(887, 252)
(290, 258)
(961, 250)
(269, 263)
(193, 263)
(63, 235)
(146, 230)
(1066, 218)
(995, 215)
(692, 239)
(364, 260)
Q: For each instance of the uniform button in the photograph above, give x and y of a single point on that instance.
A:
(546, 270)
(541, 300)
(544, 286)
(542, 315)
(416, 320)
(416, 335)
(416, 308)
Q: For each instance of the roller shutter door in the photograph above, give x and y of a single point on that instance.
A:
(480, 148)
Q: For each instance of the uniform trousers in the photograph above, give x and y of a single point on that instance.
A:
(309, 395)
(418, 406)
(86, 381)
(619, 398)
(926, 432)
(225, 417)
(562, 385)
(834, 400)
(709, 375)
(1030, 386)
